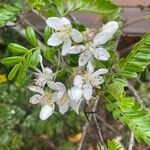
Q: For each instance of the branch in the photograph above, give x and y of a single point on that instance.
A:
(137, 20)
(136, 95)
(99, 132)
(131, 141)
(85, 127)
(106, 124)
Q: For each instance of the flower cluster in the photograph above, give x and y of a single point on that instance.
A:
(88, 46)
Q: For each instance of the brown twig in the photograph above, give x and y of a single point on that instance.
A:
(137, 20)
(99, 133)
(135, 94)
(86, 125)
(131, 141)
(105, 123)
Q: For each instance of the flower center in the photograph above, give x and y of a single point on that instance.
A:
(65, 32)
(47, 98)
(90, 46)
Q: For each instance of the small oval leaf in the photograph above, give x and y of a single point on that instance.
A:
(30, 34)
(27, 59)
(17, 48)
(13, 72)
(12, 60)
(47, 33)
(35, 58)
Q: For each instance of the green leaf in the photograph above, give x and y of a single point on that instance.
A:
(16, 48)
(137, 60)
(128, 111)
(30, 34)
(13, 72)
(120, 89)
(47, 34)
(35, 58)
(27, 60)
(12, 60)
(60, 6)
(49, 54)
(21, 75)
(8, 13)
(114, 145)
(100, 7)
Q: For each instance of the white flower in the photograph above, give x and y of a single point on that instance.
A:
(44, 98)
(63, 33)
(61, 97)
(46, 112)
(75, 98)
(108, 30)
(94, 48)
(87, 81)
(43, 77)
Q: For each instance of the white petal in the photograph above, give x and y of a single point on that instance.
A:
(66, 47)
(102, 37)
(46, 111)
(61, 86)
(76, 93)
(97, 81)
(61, 90)
(64, 108)
(55, 23)
(106, 34)
(35, 99)
(40, 81)
(55, 97)
(111, 26)
(87, 91)
(90, 67)
(55, 40)
(36, 89)
(78, 81)
(84, 58)
(76, 49)
(52, 85)
(75, 105)
(41, 62)
(100, 72)
(66, 22)
(76, 36)
(101, 54)
(47, 71)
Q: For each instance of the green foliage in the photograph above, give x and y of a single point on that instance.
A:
(128, 111)
(137, 60)
(8, 13)
(100, 7)
(24, 58)
(62, 8)
(27, 58)
(19, 122)
(47, 34)
(10, 116)
(18, 49)
(114, 145)
(31, 37)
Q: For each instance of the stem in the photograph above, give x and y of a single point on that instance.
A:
(86, 125)
(99, 132)
(106, 124)
(131, 141)
(136, 95)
